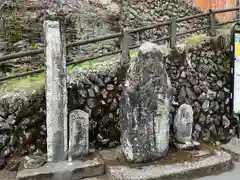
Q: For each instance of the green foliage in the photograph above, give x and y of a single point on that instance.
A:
(132, 52)
(34, 46)
(13, 29)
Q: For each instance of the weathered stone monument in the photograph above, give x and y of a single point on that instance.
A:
(145, 107)
(182, 127)
(78, 130)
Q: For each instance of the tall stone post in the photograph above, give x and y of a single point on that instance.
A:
(55, 86)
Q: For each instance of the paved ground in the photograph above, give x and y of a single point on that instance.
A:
(231, 175)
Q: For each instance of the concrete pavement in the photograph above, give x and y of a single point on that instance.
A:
(234, 174)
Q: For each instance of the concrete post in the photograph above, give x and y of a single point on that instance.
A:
(55, 92)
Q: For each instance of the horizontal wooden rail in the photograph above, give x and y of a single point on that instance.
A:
(192, 30)
(68, 64)
(21, 54)
(93, 57)
(226, 10)
(93, 40)
(149, 27)
(192, 17)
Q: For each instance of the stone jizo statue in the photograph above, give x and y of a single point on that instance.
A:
(182, 127)
(145, 107)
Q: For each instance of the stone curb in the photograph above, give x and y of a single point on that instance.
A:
(233, 148)
(217, 163)
(65, 170)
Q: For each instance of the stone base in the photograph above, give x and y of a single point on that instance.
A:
(206, 164)
(233, 147)
(103, 177)
(93, 166)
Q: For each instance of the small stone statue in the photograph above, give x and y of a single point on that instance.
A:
(182, 127)
(145, 107)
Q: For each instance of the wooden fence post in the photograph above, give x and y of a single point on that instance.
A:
(2, 26)
(2, 33)
(55, 82)
(125, 46)
(173, 32)
(212, 18)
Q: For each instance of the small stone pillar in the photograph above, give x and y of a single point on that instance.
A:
(78, 134)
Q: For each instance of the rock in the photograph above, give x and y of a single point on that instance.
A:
(13, 141)
(220, 83)
(4, 139)
(206, 135)
(211, 95)
(113, 144)
(33, 162)
(2, 163)
(107, 79)
(220, 96)
(13, 103)
(6, 151)
(91, 93)
(202, 97)
(79, 126)
(91, 103)
(225, 122)
(145, 130)
(213, 130)
(104, 94)
(190, 94)
(5, 127)
(182, 95)
(205, 105)
(14, 164)
(11, 120)
(183, 123)
(114, 105)
(2, 119)
(110, 87)
(197, 131)
(82, 93)
(26, 122)
(202, 118)
(197, 89)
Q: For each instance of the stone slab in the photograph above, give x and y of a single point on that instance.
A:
(103, 177)
(92, 166)
(219, 162)
(233, 147)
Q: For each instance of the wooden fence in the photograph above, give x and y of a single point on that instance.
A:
(125, 47)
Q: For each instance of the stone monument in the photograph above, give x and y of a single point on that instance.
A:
(182, 127)
(78, 134)
(145, 107)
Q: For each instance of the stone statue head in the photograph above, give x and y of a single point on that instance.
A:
(148, 64)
